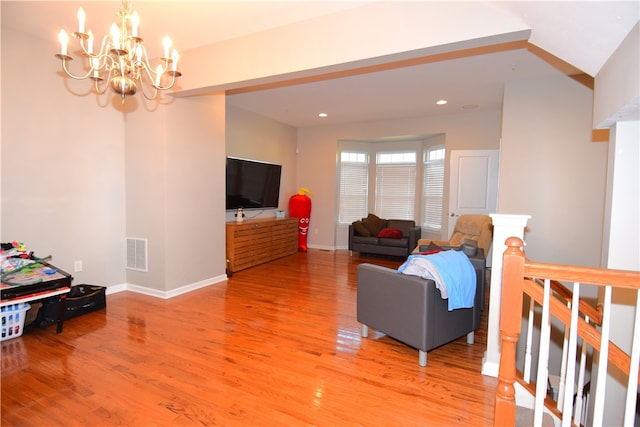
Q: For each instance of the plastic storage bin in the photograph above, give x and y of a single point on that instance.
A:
(13, 320)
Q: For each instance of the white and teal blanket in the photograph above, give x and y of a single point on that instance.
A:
(452, 273)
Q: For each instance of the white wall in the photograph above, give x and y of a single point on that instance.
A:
(550, 169)
(318, 147)
(622, 251)
(255, 137)
(63, 188)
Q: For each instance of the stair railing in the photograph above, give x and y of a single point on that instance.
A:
(542, 283)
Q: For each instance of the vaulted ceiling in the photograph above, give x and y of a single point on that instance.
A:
(582, 34)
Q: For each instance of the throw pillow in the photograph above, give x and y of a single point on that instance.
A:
(390, 233)
(360, 229)
(373, 224)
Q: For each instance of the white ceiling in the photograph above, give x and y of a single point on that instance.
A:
(583, 34)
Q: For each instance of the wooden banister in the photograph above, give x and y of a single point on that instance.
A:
(510, 313)
(521, 276)
(595, 314)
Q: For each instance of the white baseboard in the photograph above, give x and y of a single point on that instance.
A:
(165, 294)
(490, 369)
(114, 289)
(322, 248)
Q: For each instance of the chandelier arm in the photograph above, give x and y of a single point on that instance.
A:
(144, 93)
(97, 85)
(73, 76)
(148, 74)
(106, 85)
(148, 71)
(143, 61)
(104, 46)
(173, 81)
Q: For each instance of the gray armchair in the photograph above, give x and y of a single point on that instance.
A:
(410, 309)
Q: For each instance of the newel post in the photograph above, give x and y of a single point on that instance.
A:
(504, 226)
(510, 316)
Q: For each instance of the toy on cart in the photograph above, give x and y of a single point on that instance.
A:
(27, 278)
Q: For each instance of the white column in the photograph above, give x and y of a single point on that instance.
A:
(504, 226)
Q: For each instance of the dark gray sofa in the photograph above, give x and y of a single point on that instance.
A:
(410, 309)
(387, 246)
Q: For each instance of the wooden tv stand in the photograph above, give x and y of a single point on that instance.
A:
(256, 241)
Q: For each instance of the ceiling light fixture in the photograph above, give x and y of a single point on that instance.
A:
(441, 102)
(122, 61)
(322, 115)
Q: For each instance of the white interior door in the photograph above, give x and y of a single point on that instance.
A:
(473, 183)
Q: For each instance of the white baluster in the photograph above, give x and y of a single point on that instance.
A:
(543, 357)
(563, 365)
(603, 360)
(632, 386)
(579, 406)
(571, 358)
(527, 354)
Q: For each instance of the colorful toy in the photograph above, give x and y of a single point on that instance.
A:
(300, 207)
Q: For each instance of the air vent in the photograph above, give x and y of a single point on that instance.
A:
(137, 254)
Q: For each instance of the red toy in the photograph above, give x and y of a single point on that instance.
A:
(300, 207)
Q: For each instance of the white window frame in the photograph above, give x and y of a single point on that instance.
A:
(433, 188)
(395, 194)
(372, 148)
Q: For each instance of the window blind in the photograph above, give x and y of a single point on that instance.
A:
(396, 185)
(354, 186)
(433, 188)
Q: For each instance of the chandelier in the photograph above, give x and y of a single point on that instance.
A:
(122, 62)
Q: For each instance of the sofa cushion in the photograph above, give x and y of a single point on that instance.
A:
(360, 229)
(373, 224)
(398, 243)
(390, 233)
(403, 224)
(366, 240)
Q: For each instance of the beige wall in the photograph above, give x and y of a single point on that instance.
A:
(63, 180)
(617, 89)
(317, 158)
(355, 39)
(255, 137)
(175, 167)
(550, 169)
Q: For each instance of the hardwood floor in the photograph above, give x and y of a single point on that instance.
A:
(277, 345)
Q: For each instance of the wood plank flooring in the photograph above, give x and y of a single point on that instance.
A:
(276, 345)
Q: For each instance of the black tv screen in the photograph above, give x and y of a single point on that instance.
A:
(252, 184)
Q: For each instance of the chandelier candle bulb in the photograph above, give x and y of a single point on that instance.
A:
(158, 75)
(94, 65)
(81, 20)
(135, 21)
(115, 36)
(64, 39)
(90, 42)
(174, 60)
(139, 53)
(166, 42)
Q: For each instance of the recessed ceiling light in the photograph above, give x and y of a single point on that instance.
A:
(322, 115)
(441, 102)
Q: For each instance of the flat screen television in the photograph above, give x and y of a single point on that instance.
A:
(252, 184)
